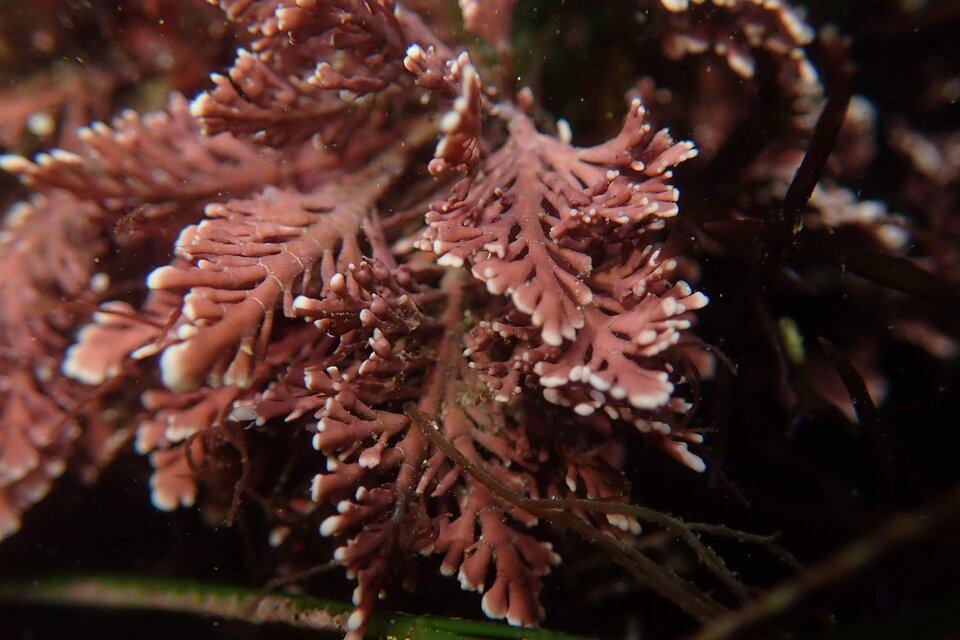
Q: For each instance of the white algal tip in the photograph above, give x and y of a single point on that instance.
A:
(300, 303)
(644, 401)
(198, 106)
(242, 413)
(73, 368)
(690, 459)
(331, 526)
(369, 459)
(41, 124)
(599, 383)
(174, 368)
(697, 301)
(186, 331)
(145, 351)
(466, 584)
(157, 278)
(619, 521)
(493, 615)
(68, 157)
(514, 621)
(12, 163)
(449, 260)
(584, 409)
(551, 336)
(552, 381)
(356, 620)
(277, 536)
(163, 501)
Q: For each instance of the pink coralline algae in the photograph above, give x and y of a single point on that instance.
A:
(532, 312)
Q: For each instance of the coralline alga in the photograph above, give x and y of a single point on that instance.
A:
(533, 312)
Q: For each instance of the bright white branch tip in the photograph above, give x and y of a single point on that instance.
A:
(599, 383)
(449, 260)
(552, 396)
(619, 521)
(315, 487)
(450, 120)
(74, 369)
(485, 605)
(696, 301)
(369, 459)
(12, 163)
(145, 351)
(356, 619)
(68, 157)
(645, 337)
(692, 460)
(301, 302)
(186, 331)
(173, 363)
(198, 105)
(159, 276)
(466, 584)
(551, 336)
(583, 409)
(242, 413)
(645, 401)
(331, 526)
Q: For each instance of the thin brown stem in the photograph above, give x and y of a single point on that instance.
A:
(898, 532)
